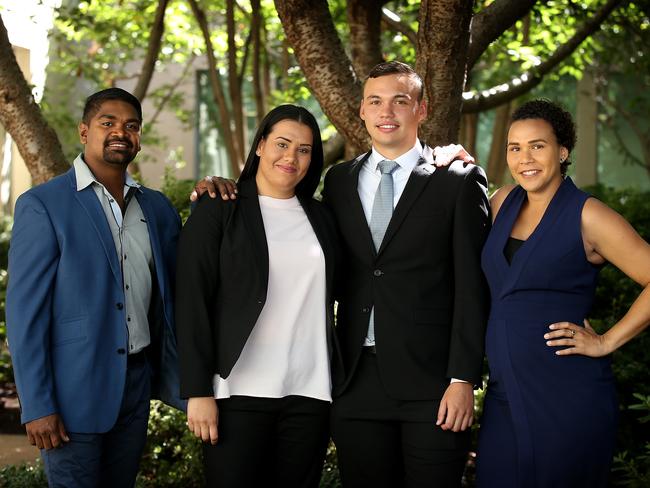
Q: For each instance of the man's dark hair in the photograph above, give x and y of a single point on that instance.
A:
(309, 183)
(559, 119)
(396, 67)
(95, 101)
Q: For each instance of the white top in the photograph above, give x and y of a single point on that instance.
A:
(286, 353)
(131, 239)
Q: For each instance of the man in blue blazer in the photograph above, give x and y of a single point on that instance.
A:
(89, 304)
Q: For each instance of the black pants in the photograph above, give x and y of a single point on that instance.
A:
(268, 442)
(386, 443)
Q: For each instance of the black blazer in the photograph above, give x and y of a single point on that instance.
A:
(426, 284)
(222, 279)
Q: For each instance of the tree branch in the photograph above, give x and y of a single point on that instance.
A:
(491, 22)
(153, 49)
(487, 99)
(37, 142)
(364, 21)
(172, 89)
(217, 89)
(311, 32)
(393, 21)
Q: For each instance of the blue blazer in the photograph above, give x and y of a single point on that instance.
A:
(66, 321)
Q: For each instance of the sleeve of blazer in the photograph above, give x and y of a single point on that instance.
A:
(197, 275)
(471, 296)
(33, 262)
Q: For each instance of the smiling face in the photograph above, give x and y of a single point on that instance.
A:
(392, 113)
(534, 155)
(112, 135)
(285, 154)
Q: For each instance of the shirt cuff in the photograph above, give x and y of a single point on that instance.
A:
(456, 380)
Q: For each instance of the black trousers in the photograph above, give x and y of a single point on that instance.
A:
(268, 442)
(386, 443)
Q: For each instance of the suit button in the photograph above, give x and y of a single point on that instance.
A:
(378, 272)
(121, 350)
(365, 309)
(119, 305)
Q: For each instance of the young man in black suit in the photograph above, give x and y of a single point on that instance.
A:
(413, 302)
(413, 308)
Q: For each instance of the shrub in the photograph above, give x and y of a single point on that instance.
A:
(23, 476)
(172, 455)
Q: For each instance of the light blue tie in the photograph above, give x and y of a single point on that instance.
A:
(382, 207)
(382, 211)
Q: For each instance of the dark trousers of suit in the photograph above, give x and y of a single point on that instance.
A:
(110, 459)
(386, 443)
(268, 442)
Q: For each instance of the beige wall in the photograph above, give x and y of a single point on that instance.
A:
(179, 139)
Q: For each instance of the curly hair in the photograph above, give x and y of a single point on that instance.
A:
(559, 119)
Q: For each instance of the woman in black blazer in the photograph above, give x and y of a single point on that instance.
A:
(254, 314)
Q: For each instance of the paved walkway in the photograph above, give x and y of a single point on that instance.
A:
(15, 449)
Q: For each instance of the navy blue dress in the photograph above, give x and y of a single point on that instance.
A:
(548, 420)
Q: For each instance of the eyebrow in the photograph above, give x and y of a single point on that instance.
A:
(399, 95)
(289, 140)
(113, 117)
(529, 142)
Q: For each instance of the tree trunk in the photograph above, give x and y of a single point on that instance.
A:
(469, 132)
(153, 49)
(497, 160)
(217, 90)
(319, 51)
(37, 142)
(258, 91)
(266, 63)
(443, 40)
(234, 87)
(364, 21)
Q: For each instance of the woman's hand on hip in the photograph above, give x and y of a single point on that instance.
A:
(577, 340)
(203, 418)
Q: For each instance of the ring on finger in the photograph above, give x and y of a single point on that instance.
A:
(573, 333)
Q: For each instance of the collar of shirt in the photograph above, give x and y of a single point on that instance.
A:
(85, 177)
(405, 162)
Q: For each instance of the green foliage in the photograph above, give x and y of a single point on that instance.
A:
(614, 295)
(172, 455)
(634, 471)
(23, 476)
(6, 371)
(178, 192)
(330, 477)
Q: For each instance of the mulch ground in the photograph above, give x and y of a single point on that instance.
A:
(9, 410)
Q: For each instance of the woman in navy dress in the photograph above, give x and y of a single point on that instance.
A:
(550, 408)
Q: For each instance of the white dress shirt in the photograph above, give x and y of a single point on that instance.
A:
(369, 178)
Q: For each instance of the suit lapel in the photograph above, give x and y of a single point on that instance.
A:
(416, 183)
(250, 207)
(319, 228)
(154, 238)
(89, 202)
(356, 209)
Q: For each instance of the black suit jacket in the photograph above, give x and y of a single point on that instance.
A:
(222, 279)
(425, 282)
